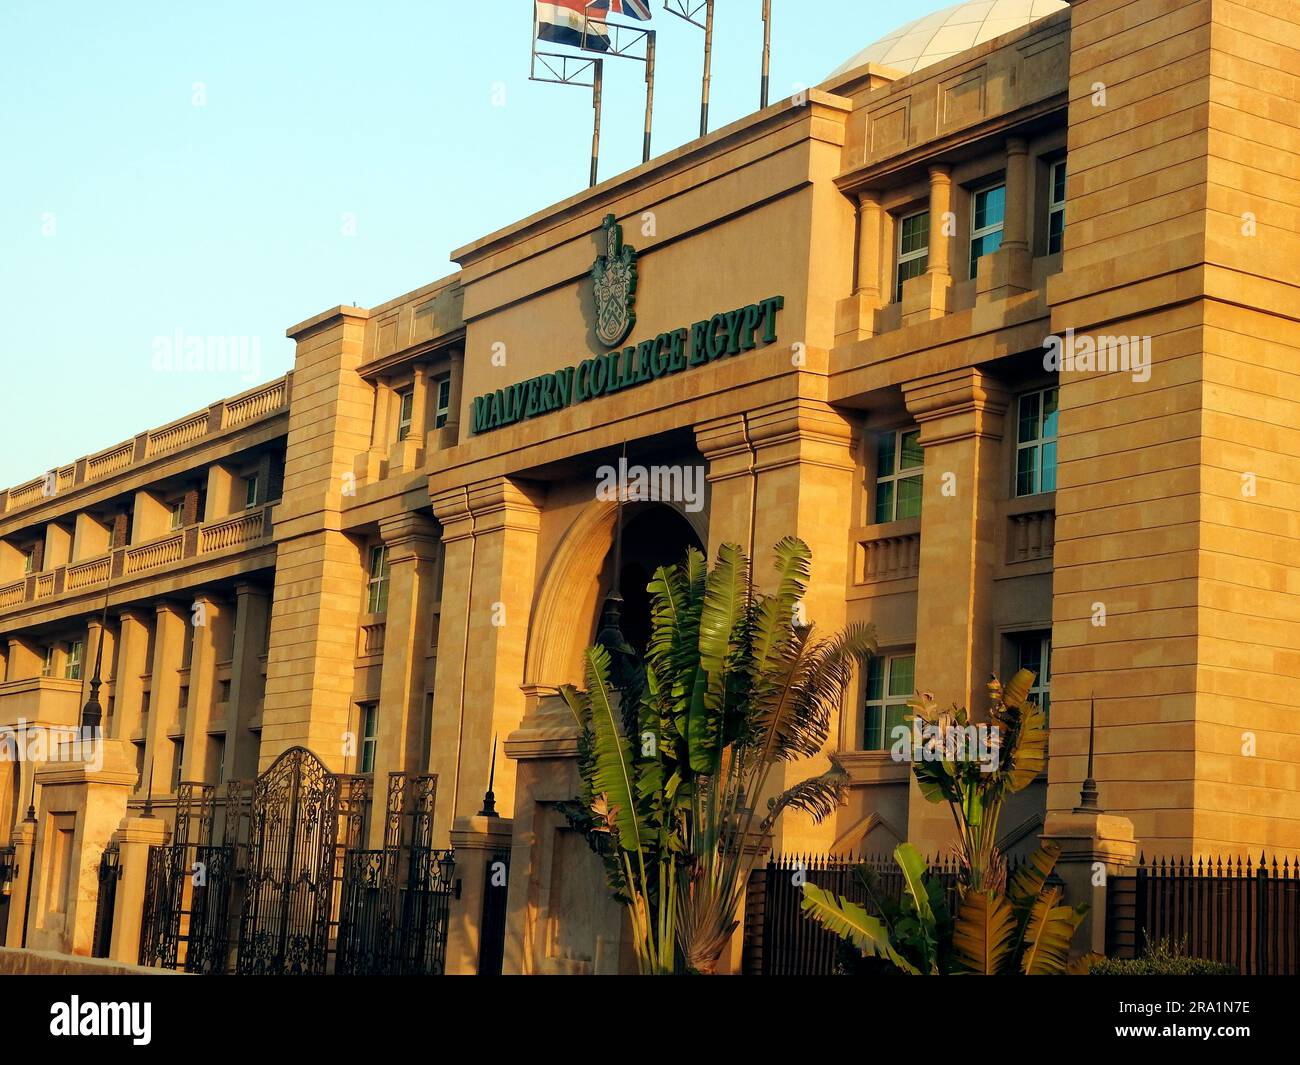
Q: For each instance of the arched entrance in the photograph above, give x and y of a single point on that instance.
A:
(580, 576)
(653, 536)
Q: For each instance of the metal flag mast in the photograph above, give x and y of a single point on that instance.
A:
(559, 68)
(767, 52)
(690, 11)
(620, 40)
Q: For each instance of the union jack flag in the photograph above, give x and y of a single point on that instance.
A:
(634, 9)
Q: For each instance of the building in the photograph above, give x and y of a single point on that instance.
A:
(1004, 330)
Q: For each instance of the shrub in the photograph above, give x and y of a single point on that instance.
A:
(1161, 959)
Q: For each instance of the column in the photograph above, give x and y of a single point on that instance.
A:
(406, 456)
(247, 683)
(788, 470)
(90, 651)
(1009, 270)
(211, 644)
(856, 316)
(489, 571)
(128, 673)
(412, 542)
(165, 711)
(960, 414)
(311, 663)
(928, 296)
(371, 465)
(449, 434)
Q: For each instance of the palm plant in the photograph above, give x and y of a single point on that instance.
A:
(1023, 929)
(674, 751)
(1001, 925)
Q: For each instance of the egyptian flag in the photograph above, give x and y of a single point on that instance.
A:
(564, 22)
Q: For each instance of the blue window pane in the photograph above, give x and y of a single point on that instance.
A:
(909, 498)
(876, 678)
(1028, 421)
(895, 716)
(874, 739)
(1051, 415)
(1048, 479)
(990, 207)
(885, 455)
(884, 502)
(1026, 471)
(902, 676)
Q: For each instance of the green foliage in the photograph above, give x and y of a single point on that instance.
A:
(673, 754)
(1161, 959)
(992, 933)
(1000, 927)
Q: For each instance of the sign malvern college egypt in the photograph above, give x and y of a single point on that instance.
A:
(614, 279)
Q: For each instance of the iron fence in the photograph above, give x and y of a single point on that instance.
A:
(1243, 913)
(781, 941)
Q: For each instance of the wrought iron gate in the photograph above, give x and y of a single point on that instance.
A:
(289, 890)
(293, 833)
(396, 901)
(189, 888)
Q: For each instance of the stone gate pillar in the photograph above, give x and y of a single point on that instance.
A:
(135, 836)
(82, 801)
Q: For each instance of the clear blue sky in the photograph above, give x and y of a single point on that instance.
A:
(135, 206)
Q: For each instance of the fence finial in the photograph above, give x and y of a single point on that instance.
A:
(1088, 793)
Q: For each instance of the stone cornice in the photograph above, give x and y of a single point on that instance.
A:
(956, 405)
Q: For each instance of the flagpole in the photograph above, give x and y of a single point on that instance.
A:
(708, 70)
(651, 36)
(597, 91)
(767, 51)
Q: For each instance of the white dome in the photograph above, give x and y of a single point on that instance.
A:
(946, 33)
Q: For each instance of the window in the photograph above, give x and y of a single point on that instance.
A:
(405, 411)
(986, 223)
(443, 410)
(178, 761)
(369, 734)
(1036, 443)
(29, 560)
(250, 491)
(377, 598)
(1034, 651)
(913, 250)
(139, 766)
(899, 459)
(224, 697)
(47, 670)
(891, 680)
(178, 514)
(1056, 208)
(72, 668)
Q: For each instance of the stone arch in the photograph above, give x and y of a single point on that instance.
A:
(571, 587)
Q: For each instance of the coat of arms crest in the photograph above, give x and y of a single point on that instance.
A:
(614, 277)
